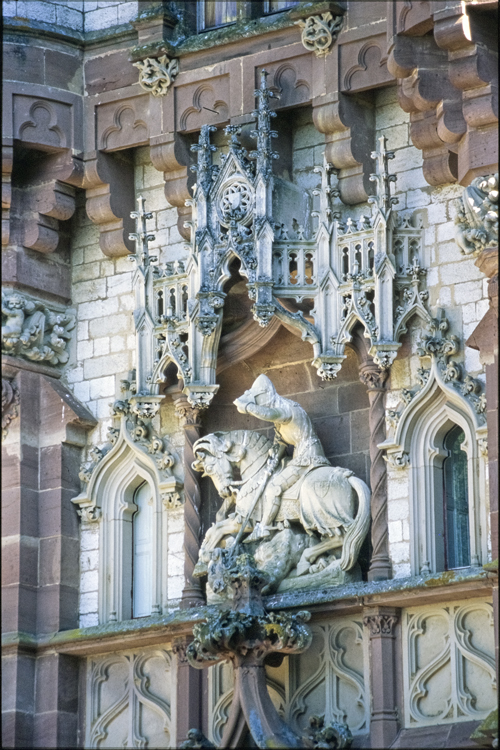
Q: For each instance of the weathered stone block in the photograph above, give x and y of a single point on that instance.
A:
(110, 365)
(399, 552)
(395, 531)
(101, 347)
(87, 291)
(97, 309)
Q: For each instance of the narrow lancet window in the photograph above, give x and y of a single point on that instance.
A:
(456, 502)
(142, 532)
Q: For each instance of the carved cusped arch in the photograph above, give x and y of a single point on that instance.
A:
(415, 445)
(109, 500)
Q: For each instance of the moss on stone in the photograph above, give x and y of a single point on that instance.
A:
(445, 577)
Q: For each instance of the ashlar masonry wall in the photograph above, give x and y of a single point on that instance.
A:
(104, 301)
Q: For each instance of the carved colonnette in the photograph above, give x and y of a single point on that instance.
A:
(190, 420)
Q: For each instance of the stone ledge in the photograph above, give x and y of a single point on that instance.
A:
(337, 601)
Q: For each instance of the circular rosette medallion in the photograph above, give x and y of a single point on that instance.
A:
(236, 202)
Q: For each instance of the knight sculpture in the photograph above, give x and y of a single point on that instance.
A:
(301, 518)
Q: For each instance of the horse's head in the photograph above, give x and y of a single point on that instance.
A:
(215, 455)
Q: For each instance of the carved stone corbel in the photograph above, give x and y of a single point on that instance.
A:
(46, 197)
(170, 154)
(466, 36)
(349, 128)
(434, 104)
(109, 187)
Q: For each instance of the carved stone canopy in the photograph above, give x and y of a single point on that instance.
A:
(364, 271)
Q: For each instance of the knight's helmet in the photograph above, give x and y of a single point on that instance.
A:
(262, 393)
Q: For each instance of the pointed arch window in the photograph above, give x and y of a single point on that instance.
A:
(456, 501)
(142, 545)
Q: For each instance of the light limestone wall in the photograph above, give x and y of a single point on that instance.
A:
(80, 15)
(104, 352)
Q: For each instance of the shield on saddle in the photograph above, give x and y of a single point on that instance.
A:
(322, 488)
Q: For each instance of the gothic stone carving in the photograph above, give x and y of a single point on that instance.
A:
(133, 415)
(298, 518)
(157, 76)
(10, 402)
(32, 330)
(320, 32)
(245, 635)
(435, 639)
(477, 217)
(364, 271)
(132, 685)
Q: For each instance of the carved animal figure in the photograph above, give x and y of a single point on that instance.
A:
(330, 502)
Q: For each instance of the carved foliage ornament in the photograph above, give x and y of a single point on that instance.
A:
(34, 331)
(477, 217)
(157, 76)
(320, 32)
(245, 635)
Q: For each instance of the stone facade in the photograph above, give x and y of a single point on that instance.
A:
(101, 323)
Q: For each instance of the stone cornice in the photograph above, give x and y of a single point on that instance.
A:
(334, 601)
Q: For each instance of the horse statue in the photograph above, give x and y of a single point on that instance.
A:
(326, 511)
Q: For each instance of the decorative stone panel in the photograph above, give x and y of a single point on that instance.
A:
(329, 679)
(129, 700)
(448, 663)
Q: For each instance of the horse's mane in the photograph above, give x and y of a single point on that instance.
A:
(250, 439)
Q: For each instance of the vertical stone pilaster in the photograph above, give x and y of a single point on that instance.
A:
(189, 418)
(189, 687)
(381, 623)
(375, 378)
